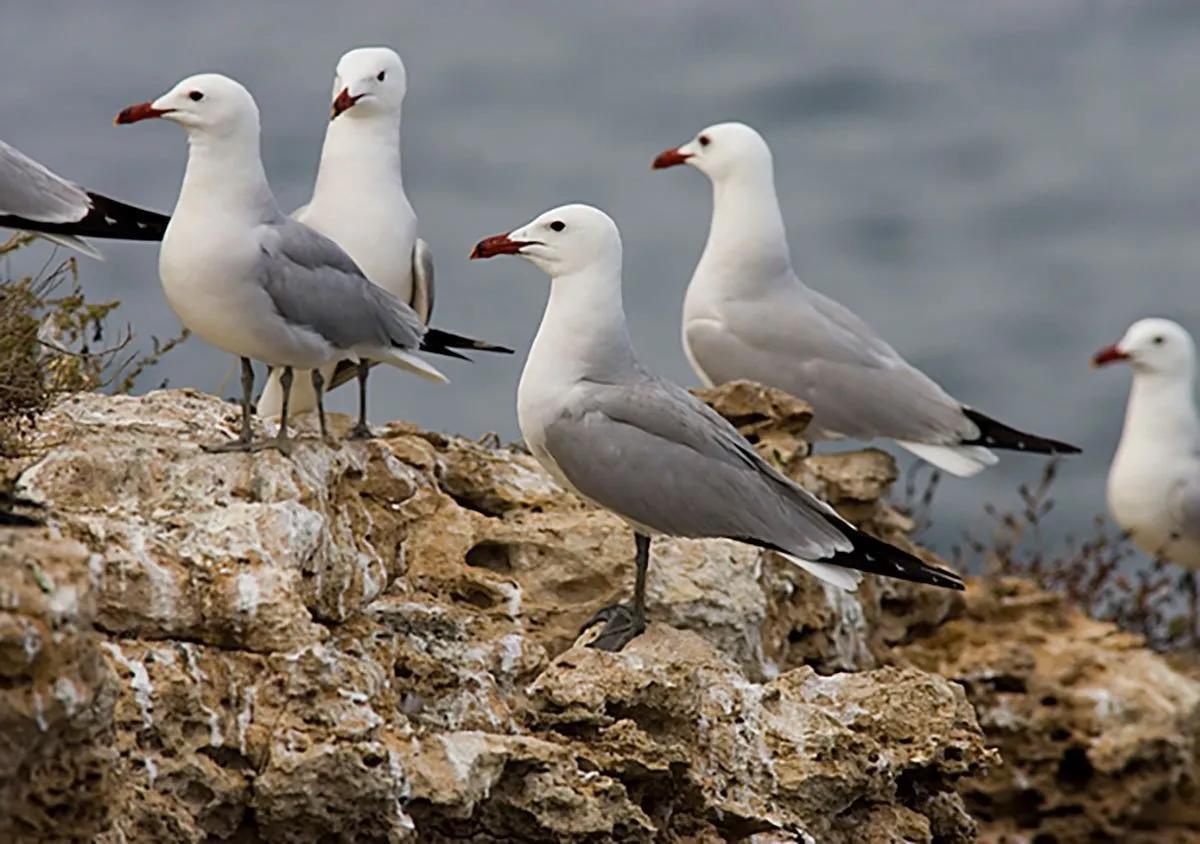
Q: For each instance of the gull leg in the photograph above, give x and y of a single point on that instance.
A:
(282, 442)
(625, 622)
(361, 431)
(245, 442)
(318, 383)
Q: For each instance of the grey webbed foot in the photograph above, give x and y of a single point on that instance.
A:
(622, 624)
(360, 432)
(283, 444)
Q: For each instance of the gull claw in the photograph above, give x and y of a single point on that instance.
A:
(360, 432)
(622, 624)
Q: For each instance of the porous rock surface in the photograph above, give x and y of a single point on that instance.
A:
(1097, 733)
(378, 642)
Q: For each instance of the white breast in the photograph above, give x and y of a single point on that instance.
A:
(376, 227)
(1139, 488)
(209, 276)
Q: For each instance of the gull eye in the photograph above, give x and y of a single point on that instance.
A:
(1159, 340)
(380, 76)
(704, 140)
(196, 96)
(558, 225)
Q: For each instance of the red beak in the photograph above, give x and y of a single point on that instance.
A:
(1107, 355)
(141, 111)
(499, 244)
(342, 102)
(669, 158)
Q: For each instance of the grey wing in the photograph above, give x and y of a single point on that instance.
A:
(1184, 501)
(811, 346)
(661, 459)
(422, 276)
(314, 283)
(29, 190)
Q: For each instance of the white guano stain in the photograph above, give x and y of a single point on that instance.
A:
(143, 691)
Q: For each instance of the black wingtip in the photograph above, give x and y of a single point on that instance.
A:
(994, 434)
(436, 340)
(107, 218)
(10, 518)
(875, 556)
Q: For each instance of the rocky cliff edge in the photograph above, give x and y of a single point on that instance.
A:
(379, 642)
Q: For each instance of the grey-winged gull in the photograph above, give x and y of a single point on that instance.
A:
(258, 284)
(359, 202)
(1154, 480)
(643, 447)
(747, 315)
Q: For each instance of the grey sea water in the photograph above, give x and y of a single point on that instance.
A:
(1000, 188)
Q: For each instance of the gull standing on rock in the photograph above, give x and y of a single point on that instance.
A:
(1154, 481)
(747, 315)
(35, 199)
(255, 283)
(359, 202)
(646, 449)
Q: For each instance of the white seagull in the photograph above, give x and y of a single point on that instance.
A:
(359, 203)
(747, 315)
(255, 283)
(35, 199)
(1154, 481)
(643, 447)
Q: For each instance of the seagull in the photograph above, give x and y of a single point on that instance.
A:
(1154, 481)
(359, 203)
(644, 448)
(257, 284)
(747, 315)
(35, 199)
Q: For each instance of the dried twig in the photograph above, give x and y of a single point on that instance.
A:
(51, 344)
(1091, 574)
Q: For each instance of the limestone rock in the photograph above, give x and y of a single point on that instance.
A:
(802, 754)
(56, 691)
(774, 421)
(376, 642)
(1098, 734)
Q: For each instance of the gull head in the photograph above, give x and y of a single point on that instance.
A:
(562, 241)
(368, 81)
(1157, 346)
(207, 103)
(721, 151)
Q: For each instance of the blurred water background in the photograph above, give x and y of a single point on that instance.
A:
(1000, 188)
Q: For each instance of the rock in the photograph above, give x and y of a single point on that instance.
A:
(803, 754)
(774, 421)
(56, 692)
(377, 642)
(380, 642)
(1098, 734)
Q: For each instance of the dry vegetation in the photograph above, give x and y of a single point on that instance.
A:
(1102, 573)
(53, 340)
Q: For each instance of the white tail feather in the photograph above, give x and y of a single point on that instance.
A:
(302, 399)
(72, 242)
(415, 364)
(961, 460)
(838, 576)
